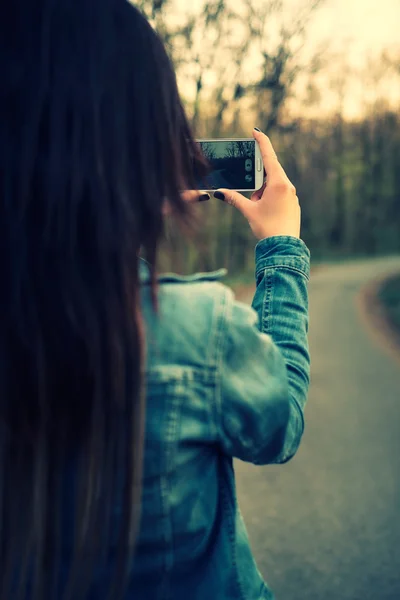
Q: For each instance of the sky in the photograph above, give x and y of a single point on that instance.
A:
(364, 28)
(357, 29)
(370, 24)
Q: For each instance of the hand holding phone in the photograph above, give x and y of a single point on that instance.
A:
(234, 163)
(274, 210)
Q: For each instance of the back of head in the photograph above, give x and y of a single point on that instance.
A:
(93, 139)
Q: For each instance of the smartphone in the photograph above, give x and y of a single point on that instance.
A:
(235, 164)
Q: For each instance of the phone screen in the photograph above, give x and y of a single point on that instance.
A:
(232, 164)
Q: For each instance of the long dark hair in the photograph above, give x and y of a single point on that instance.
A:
(93, 140)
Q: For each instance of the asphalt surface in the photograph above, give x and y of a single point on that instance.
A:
(326, 526)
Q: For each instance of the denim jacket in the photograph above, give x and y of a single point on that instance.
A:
(223, 380)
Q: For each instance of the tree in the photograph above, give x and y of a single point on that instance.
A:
(233, 72)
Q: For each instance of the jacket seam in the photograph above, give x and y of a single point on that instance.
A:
(265, 327)
(226, 305)
(283, 266)
(266, 314)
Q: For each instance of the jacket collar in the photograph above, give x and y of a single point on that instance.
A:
(144, 275)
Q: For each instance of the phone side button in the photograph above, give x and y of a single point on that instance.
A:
(259, 164)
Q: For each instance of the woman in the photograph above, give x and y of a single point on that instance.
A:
(124, 398)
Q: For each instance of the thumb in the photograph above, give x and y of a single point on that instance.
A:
(235, 199)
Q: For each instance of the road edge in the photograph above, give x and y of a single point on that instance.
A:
(376, 319)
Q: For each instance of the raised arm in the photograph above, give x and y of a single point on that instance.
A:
(266, 364)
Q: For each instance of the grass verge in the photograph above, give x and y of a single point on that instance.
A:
(389, 296)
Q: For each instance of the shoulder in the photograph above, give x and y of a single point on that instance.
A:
(195, 301)
(190, 322)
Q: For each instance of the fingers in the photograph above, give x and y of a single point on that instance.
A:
(195, 196)
(271, 163)
(235, 199)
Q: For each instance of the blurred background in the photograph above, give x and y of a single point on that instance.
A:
(322, 78)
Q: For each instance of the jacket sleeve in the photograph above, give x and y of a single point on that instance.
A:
(264, 371)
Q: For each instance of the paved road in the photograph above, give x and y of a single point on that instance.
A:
(326, 526)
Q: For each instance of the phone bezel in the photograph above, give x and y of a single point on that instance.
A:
(259, 175)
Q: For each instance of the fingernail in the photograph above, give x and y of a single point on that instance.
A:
(259, 130)
(219, 195)
(204, 197)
